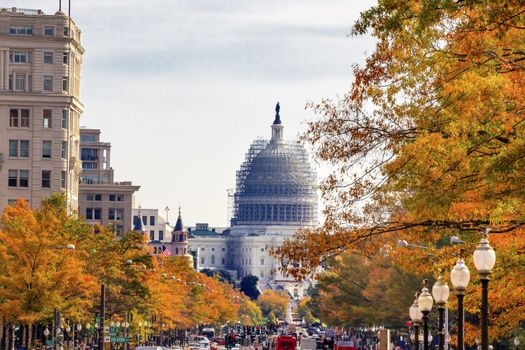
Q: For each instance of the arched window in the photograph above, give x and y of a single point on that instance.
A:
(213, 259)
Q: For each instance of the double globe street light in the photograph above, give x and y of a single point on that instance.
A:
(416, 316)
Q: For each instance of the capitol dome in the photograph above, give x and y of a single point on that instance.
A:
(276, 184)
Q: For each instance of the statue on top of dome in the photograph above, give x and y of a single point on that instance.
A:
(277, 116)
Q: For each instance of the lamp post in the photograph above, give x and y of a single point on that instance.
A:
(425, 302)
(101, 331)
(516, 343)
(415, 316)
(460, 277)
(440, 292)
(484, 260)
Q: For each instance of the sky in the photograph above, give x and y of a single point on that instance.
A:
(182, 87)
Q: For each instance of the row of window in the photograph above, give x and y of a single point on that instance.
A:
(113, 214)
(21, 118)
(23, 82)
(152, 235)
(16, 56)
(203, 260)
(145, 219)
(20, 149)
(20, 178)
(111, 197)
(49, 30)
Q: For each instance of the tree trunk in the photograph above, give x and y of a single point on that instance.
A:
(29, 336)
(6, 336)
(13, 337)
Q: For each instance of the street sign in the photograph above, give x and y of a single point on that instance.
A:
(120, 339)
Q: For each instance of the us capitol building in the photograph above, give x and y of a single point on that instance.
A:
(275, 196)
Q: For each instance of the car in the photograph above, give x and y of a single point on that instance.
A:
(148, 348)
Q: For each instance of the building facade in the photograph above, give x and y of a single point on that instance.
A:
(154, 224)
(102, 200)
(40, 108)
(275, 196)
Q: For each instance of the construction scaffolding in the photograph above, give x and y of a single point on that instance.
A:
(275, 185)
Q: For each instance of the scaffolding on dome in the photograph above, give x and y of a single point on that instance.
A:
(279, 188)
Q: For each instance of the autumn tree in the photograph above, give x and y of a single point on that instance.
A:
(429, 141)
(38, 273)
(273, 303)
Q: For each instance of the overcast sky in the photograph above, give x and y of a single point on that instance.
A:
(181, 87)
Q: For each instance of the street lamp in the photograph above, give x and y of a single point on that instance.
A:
(460, 277)
(415, 316)
(440, 292)
(516, 342)
(425, 302)
(484, 260)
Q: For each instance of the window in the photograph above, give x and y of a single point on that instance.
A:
(12, 178)
(65, 84)
(202, 260)
(88, 138)
(151, 235)
(64, 120)
(144, 219)
(47, 118)
(161, 235)
(66, 31)
(213, 259)
(24, 148)
(152, 220)
(48, 57)
(21, 30)
(20, 57)
(46, 149)
(63, 150)
(222, 261)
(212, 249)
(24, 118)
(48, 83)
(115, 214)
(223, 249)
(94, 197)
(65, 58)
(20, 82)
(202, 249)
(13, 118)
(120, 198)
(88, 154)
(262, 261)
(15, 121)
(46, 178)
(13, 148)
(24, 178)
(63, 177)
(49, 30)
(93, 213)
(11, 202)
(89, 165)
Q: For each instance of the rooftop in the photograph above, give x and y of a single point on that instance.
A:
(21, 11)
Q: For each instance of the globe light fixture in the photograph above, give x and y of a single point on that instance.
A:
(425, 302)
(441, 292)
(415, 315)
(79, 327)
(484, 260)
(460, 277)
(516, 342)
(46, 332)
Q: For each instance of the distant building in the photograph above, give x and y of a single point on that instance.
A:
(40, 108)
(275, 196)
(177, 244)
(154, 224)
(101, 199)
